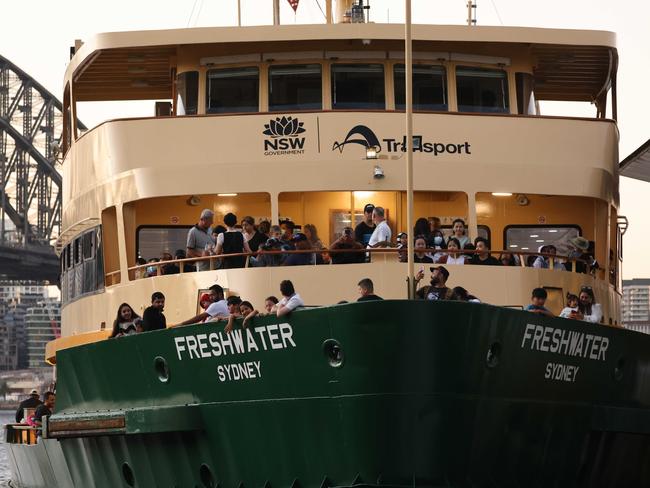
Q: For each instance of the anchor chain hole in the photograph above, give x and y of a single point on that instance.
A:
(127, 472)
(207, 478)
(162, 368)
(334, 353)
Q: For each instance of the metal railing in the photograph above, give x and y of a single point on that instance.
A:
(383, 255)
(21, 434)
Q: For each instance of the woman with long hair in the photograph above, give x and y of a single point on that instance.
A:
(453, 255)
(315, 243)
(126, 322)
(459, 232)
(588, 309)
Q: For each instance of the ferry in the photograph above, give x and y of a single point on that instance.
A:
(307, 123)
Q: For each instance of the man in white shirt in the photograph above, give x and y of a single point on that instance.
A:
(290, 299)
(217, 309)
(382, 234)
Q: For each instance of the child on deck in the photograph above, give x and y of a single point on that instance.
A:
(571, 308)
(537, 302)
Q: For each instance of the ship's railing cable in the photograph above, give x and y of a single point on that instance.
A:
(555, 261)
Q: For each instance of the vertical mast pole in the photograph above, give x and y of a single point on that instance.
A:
(276, 12)
(239, 13)
(328, 10)
(408, 49)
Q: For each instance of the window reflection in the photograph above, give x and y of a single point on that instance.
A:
(429, 87)
(358, 86)
(233, 90)
(295, 87)
(482, 90)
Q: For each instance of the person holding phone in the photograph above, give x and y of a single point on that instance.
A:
(347, 242)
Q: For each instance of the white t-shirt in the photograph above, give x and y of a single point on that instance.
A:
(381, 233)
(452, 260)
(218, 309)
(596, 314)
(293, 302)
(566, 312)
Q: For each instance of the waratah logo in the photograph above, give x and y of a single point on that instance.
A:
(283, 127)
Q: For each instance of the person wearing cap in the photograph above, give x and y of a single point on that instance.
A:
(579, 250)
(200, 241)
(32, 402)
(218, 308)
(347, 241)
(438, 289)
(364, 229)
(300, 243)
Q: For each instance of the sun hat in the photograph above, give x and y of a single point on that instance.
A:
(580, 243)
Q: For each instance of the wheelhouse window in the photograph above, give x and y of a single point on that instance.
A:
(429, 87)
(482, 90)
(233, 90)
(295, 87)
(358, 86)
(187, 88)
(531, 238)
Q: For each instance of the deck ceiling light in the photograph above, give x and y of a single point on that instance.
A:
(501, 194)
(226, 194)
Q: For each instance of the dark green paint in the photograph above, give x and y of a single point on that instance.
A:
(414, 403)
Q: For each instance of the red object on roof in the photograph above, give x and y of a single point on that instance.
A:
(294, 4)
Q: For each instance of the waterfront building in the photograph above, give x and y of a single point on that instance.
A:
(636, 304)
(15, 299)
(42, 324)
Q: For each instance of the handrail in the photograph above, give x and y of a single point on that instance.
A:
(389, 250)
(21, 434)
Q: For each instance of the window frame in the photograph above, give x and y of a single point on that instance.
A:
(262, 71)
(506, 70)
(269, 67)
(386, 68)
(446, 76)
(506, 244)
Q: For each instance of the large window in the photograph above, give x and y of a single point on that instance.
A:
(151, 241)
(233, 90)
(429, 87)
(295, 87)
(358, 86)
(187, 88)
(531, 238)
(482, 90)
(82, 265)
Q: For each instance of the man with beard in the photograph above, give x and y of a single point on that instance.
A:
(438, 289)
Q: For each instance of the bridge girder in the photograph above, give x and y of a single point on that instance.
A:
(31, 125)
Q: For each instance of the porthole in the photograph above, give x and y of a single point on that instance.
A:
(162, 369)
(619, 369)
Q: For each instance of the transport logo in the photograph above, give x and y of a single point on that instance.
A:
(364, 136)
(284, 136)
(359, 134)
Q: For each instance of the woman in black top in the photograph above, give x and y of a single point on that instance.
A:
(232, 242)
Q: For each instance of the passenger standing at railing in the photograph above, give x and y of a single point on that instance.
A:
(45, 409)
(483, 253)
(545, 262)
(200, 241)
(251, 235)
(420, 255)
(364, 229)
(290, 299)
(300, 242)
(140, 272)
(381, 236)
(422, 228)
(579, 249)
(459, 231)
(438, 289)
(453, 255)
(588, 309)
(232, 242)
(32, 402)
(153, 317)
(347, 241)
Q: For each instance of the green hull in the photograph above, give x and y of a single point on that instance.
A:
(420, 394)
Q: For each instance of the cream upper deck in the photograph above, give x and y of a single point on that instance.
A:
(568, 64)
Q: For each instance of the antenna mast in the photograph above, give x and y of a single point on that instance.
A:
(471, 12)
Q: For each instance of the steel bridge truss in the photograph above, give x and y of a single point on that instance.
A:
(31, 124)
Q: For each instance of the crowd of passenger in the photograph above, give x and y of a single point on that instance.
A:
(431, 246)
(215, 307)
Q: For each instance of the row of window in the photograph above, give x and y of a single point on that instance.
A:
(82, 265)
(353, 86)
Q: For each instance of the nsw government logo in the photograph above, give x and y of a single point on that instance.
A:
(284, 136)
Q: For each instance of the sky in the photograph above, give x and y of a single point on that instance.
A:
(41, 48)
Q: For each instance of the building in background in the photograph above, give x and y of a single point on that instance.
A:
(636, 304)
(42, 323)
(15, 299)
